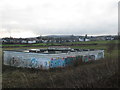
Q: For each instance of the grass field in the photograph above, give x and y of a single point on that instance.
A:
(96, 74)
(68, 43)
(91, 42)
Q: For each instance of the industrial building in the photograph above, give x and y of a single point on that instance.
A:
(52, 57)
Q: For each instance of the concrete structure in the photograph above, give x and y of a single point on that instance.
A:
(44, 59)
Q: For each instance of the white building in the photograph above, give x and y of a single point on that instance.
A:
(23, 41)
(80, 39)
(84, 39)
(87, 39)
(32, 41)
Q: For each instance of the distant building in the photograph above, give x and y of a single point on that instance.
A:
(32, 41)
(24, 41)
(109, 38)
(86, 39)
(3, 41)
(99, 38)
(80, 39)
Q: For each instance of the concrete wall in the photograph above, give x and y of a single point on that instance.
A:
(30, 60)
(46, 61)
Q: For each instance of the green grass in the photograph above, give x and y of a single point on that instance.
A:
(38, 44)
(90, 47)
(69, 43)
(92, 42)
(46, 44)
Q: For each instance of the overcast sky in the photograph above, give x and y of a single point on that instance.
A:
(29, 18)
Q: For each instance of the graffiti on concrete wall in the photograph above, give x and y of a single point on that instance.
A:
(33, 63)
(57, 62)
(64, 61)
(54, 62)
(15, 61)
(40, 63)
(100, 55)
(92, 57)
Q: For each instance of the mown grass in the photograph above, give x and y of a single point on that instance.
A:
(95, 74)
(36, 44)
(68, 43)
(92, 42)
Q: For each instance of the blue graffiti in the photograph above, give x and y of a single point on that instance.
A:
(57, 63)
(33, 62)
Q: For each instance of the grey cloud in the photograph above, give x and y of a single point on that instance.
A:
(48, 17)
